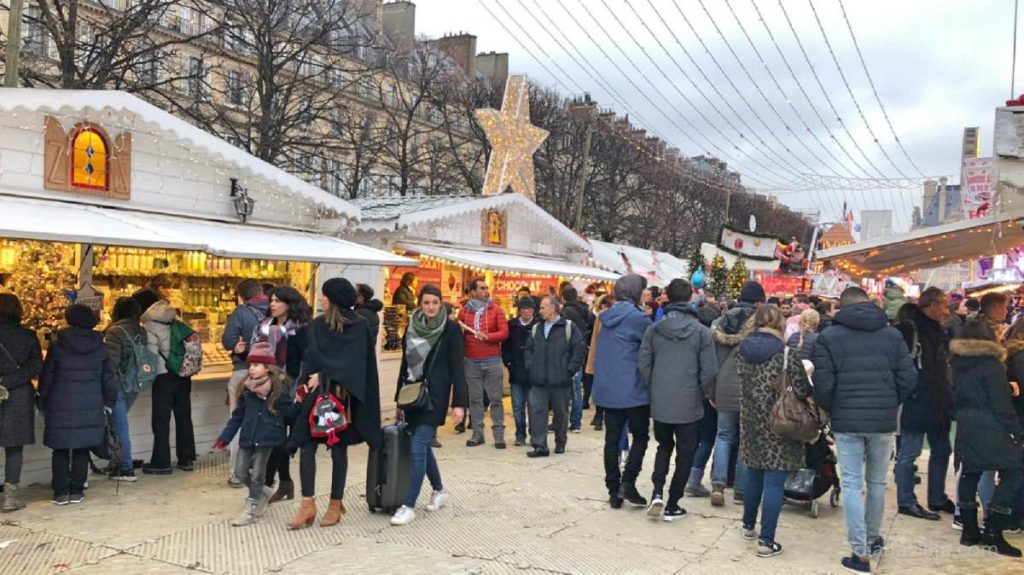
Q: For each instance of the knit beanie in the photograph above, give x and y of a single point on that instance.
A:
(261, 352)
(77, 315)
(340, 292)
(752, 292)
(526, 301)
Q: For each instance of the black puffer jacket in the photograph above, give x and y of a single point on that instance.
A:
(930, 407)
(17, 414)
(727, 331)
(77, 382)
(580, 315)
(371, 311)
(554, 360)
(447, 378)
(862, 371)
(513, 350)
(988, 433)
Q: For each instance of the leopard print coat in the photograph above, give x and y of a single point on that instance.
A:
(761, 448)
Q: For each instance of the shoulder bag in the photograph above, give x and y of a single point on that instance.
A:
(792, 417)
(415, 396)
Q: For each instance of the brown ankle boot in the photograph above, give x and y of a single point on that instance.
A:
(305, 516)
(335, 509)
(285, 490)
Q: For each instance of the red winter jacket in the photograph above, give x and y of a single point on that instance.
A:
(493, 323)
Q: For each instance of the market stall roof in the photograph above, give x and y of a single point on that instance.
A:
(658, 267)
(78, 223)
(510, 262)
(128, 108)
(929, 247)
(396, 212)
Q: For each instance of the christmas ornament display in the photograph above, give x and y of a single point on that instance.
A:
(40, 279)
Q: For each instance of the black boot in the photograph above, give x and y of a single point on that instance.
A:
(993, 536)
(628, 492)
(970, 535)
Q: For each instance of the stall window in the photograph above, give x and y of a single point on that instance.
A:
(89, 160)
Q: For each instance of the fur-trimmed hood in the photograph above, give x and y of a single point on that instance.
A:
(977, 348)
(730, 329)
(1013, 347)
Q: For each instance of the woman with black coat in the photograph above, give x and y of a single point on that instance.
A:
(340, 360)
(77, 388)
(370, 308)
(988, 433)
(432, 353)
(20, 362)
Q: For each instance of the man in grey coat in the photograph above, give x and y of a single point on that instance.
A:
(678, 363)
(555, 352)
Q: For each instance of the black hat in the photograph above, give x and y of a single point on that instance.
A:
(77, 315)
(526, 301)
(146, 298)
(752, 292)
(340, 292)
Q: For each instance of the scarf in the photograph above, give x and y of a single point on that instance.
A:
(275, 335)
(261, 387)
(421, 337)
(479, 307)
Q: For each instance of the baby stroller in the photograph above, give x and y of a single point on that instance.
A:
(805, 486)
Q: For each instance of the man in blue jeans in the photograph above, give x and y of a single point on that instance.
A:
(863, 371)
(928, 412)
(512, 355)
(580, 315)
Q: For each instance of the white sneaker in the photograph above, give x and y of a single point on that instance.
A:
(264, 502)
(437, 500)
(403, 516)
(656, 509)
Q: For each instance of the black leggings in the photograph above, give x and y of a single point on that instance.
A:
(1010, 481)
(307, 469)
(279, 463)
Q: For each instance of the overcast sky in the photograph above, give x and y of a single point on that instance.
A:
(938, 65)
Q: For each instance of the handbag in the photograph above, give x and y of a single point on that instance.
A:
(415, 396)
(793, 417)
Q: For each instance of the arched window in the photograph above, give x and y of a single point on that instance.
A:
(90, 159)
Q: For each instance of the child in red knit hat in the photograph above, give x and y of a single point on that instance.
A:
(263, 401)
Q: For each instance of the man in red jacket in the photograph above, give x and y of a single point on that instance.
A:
(484, 328)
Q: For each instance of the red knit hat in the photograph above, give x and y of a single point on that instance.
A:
(262, 352)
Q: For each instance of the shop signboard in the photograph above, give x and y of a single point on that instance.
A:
(978, 185)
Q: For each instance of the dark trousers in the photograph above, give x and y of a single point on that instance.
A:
(681, 438)
(279, 462)
(1010, 482)
(172, 395)
(588, 386)
(307, 469)
(542, 399)
(70, 469)
(615, 421)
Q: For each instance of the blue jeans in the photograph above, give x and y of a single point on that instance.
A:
(520, 397)
(576, 413)
(986, 488)
(863, 457)
(708, 429)
(911, 444)
(764, 490)
(423, 463)
(727, 439)
(120, 419)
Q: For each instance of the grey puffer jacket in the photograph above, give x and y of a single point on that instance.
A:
(157, 322)
(678, 363)
(727, 332)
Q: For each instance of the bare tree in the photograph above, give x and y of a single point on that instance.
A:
(361, 141)
(109, 44)
(464, 138)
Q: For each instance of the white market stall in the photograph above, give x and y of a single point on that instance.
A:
(658, 267)
(117, 191)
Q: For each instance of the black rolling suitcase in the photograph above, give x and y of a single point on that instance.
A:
(387, 470)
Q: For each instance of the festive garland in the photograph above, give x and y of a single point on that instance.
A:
(740, 254)
(736, 230)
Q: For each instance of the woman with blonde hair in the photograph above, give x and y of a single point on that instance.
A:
(802, 342)
(769, 457)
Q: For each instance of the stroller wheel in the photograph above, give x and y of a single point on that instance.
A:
(814, 509)
(833, 499)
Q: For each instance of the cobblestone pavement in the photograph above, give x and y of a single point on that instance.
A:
(507, 515)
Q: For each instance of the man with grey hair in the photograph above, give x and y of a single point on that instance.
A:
(620, 391)
(554, 353)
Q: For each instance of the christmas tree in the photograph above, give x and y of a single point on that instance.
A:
(738, 276)
(718, 283)
(697, 261)
(39, 279)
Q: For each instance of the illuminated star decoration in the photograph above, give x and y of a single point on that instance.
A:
(513, 141)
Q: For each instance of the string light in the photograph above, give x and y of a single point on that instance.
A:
(513, 141)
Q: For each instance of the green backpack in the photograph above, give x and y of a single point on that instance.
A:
(139, 370)
(186, 356)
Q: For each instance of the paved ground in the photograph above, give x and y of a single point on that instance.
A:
(508, 514)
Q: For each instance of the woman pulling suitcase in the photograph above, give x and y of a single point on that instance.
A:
(340, 369)
(432, 369)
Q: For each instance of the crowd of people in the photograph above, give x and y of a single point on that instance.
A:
(874, 374)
